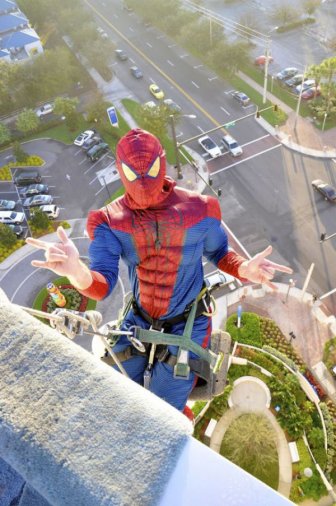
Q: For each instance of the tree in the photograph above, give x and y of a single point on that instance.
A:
(39, 219)
(229, 57)
(7, 236)
(156, 119)
(4, 133)
(284, 14)
(27, 121)
(65, 106)
(250, 442)
(310, 6)
(97, 110)
(19, 153)
(251, 20)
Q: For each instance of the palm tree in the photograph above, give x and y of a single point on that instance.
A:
(250, 442)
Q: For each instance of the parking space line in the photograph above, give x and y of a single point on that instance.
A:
(184, 55)
(94, 179)
(131, 60)
(172, 45)
(228, 92)
(226, 112)
(148, 44)
(160, 37)
(212, 78)
(198, 66)
(171, 63)
(245, 159)
(196, 85)
(83, 161)
(100, 190)
(201, 129)
(79, 151)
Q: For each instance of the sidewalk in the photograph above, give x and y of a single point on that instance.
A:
(298, 134)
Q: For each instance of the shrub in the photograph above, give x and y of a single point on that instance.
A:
(281, 356)
(249, 333)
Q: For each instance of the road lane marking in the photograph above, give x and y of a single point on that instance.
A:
(245, 159)
(131, 29)
(160, 37)
(212, 78)
(148, 44)
(201, 129)
(157, 68)
(83, 161)
(94, 179)
(172, 45)
(196, 85)
(228, 92)
(171, 63)
(198, 66)
(184, 55)
(226, 112)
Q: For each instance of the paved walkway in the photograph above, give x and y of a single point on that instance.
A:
(253, 399)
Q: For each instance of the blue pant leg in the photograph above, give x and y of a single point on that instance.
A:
(136, 365)
(163, 384)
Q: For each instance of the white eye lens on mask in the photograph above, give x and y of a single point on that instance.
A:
(130, 175)
(154, 170)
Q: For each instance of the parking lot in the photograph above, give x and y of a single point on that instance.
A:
(75, 183)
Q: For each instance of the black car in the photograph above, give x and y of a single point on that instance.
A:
(91, 142)
(328, 191)
(136, 72)
(27, 177)
(121, 55)
(34, 189)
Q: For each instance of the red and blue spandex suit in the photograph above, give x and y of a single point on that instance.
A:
(161, 232)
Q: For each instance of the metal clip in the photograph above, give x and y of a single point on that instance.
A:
(135, 342)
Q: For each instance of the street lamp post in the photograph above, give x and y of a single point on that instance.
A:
(292, 336)
(176, 147)
(291, 284)
(324, 121)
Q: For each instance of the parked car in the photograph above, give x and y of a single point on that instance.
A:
(89, 143)
(11, 217)
(295, 81)
(44, 110)
(97, 151)
(121, 55)
(241, 97)
(286, 73)
(328, 191)
(37, 200)
(84, 136)
(51, 211)
(311, 93)
(102, 33)
(17, 229)
(232, 145)
(210, 146)
(172, 105)
(136, 72)
(25, 177)
(156, 91)
(7, 205)
(33, 189)
(305, 86)
(261, 60)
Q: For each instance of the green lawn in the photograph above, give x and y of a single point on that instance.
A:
(269, 474)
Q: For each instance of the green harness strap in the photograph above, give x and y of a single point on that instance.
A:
(184, 343)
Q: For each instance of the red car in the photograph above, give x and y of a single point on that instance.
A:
(311, 93)
(261, 60)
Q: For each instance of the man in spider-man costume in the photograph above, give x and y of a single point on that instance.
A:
(161, 232)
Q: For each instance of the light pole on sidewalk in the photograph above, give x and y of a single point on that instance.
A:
(291, 284)
(176, 147)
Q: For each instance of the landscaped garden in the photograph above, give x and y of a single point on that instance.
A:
(264, 353)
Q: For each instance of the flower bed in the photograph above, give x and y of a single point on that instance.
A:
(75, 300)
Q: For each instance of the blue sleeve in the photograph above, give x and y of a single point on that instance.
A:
(216, 242)
(104, 253)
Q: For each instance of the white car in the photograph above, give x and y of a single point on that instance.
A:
(84, 136)
(51, 211)
(44, 110)
(210, 146)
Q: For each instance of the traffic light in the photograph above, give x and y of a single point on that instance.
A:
(323, 236)
(275, 107)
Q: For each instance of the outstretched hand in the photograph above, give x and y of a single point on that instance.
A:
(261, 270)
(62, 258)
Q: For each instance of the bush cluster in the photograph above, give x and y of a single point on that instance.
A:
(331, 451)
(31, 161)
(249, 332)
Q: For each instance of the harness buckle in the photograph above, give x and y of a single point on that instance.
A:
(182, 368)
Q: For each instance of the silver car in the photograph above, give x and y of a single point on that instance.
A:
(38, 200)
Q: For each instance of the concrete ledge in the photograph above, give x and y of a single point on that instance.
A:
(76, 430)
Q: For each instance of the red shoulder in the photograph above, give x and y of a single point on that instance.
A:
(115, 215)
(213, 208)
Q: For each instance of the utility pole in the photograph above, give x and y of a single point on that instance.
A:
(268, 43)
(299, 99)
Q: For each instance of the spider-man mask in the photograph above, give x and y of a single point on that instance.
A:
(141, 163)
